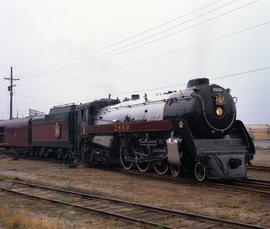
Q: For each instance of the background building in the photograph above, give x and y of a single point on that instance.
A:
(259, 132)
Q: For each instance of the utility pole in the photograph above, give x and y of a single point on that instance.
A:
(10, 88)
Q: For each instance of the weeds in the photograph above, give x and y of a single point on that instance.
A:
(69, 208)
(112, 223)
(160, 227)
(18, 219)
(89, 221)
(220, 224)
(224, 216)
(66, 199)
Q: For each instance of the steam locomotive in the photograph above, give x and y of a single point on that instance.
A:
(191, 131)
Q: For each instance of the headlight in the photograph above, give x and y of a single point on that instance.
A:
(219, 111)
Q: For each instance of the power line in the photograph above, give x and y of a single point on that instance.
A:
(195, 45)
(38, 99)
(187, 28)
(183, 84)
(46, 67)
(241, 73)
(55, 83)
(54, 70)
(45, 100)
(172, 27)
(168, 53)
(160, 25)
(160, 88)
(164, 54)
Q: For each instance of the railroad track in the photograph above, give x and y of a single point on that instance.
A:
(259, 168)
(14, 156)
(249, 185)
(27, 157)
(262, 186)
(148, 215)
(258, 181)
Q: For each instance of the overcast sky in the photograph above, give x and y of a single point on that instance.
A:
(66, 51)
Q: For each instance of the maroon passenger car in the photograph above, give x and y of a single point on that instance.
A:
(15, 133)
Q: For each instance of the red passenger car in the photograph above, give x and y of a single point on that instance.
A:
(15, 133)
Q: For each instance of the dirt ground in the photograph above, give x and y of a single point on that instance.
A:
(262, 157)
(191, 196)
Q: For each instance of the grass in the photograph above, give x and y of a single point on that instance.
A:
(112, 222)
(66, 199)
(220, 224)
(224, 216)
(162, 225)
(220, 204)
(70, 188)
(69, 208)
(18, 219)
(89, 221)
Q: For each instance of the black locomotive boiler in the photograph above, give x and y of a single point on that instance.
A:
(194, 130)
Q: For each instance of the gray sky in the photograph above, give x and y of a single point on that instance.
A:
(66, 51)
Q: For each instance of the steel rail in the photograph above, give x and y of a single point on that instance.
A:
(87, 208)
(127, 203)
(263, 192)
(258, 181)
(27, 157)
(213, 183)
(259, 168)
(262, 183)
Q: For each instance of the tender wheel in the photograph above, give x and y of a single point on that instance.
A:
(200, 171)
(161, 167)
(142, 166)
(126, 158)
(175, 170)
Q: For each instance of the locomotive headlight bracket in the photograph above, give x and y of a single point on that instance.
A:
(219, 111)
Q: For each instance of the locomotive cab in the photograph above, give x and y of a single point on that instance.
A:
(85, 115)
